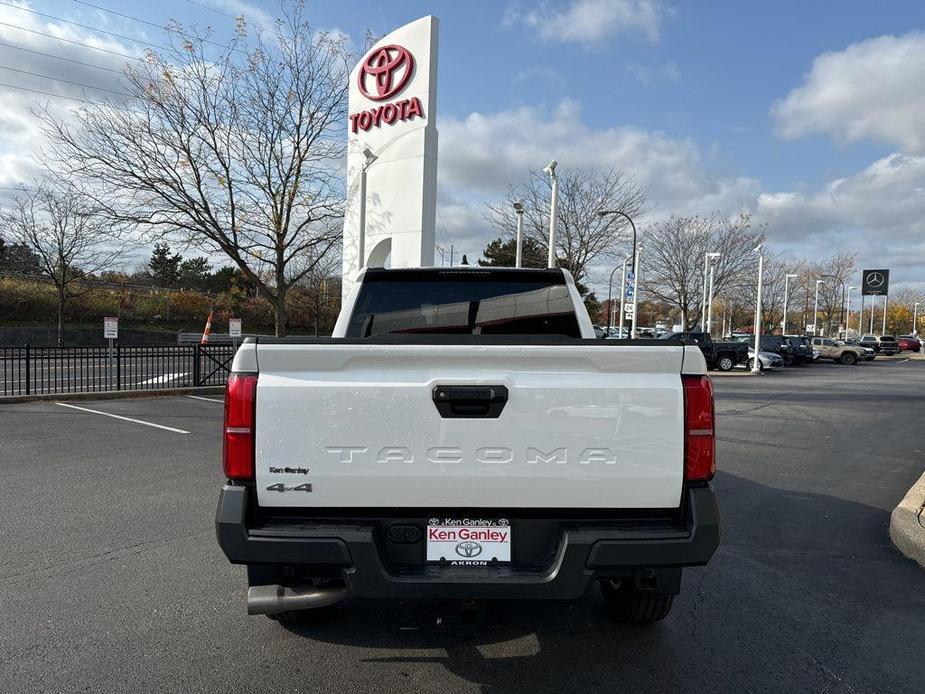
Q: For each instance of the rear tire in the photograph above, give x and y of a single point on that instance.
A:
(751, 365)
(849, 359)
(725, 363)
(630, 606)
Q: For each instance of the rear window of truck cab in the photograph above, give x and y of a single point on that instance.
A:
(463, 302)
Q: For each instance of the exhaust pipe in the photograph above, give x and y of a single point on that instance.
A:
(273, 599)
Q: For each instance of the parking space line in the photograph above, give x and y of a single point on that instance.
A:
(200, 397)
(118, 416)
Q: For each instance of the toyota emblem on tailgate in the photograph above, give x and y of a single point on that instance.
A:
(468, 549)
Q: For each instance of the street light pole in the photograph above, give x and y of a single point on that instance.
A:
(610, 297)
(707, 260)
(886, 299)
(553, 211)
(710, 302)
(915, 317)
(783, 328)
(756, 362)
(621, 213)
(816, 310)
(361, 243)
(848, 310)
(518, 256)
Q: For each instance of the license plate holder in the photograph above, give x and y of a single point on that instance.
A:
(468, 541)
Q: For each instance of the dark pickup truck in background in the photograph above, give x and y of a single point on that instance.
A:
(719, 355)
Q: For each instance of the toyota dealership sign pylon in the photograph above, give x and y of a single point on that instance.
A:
(392, 133)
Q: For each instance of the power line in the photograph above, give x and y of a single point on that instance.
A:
(227, 14)
(143, 21)
(88, 27)
(57, 96)
(60, 79)
(58, 57)
(76, 43)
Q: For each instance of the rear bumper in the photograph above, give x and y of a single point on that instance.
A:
(579, 552)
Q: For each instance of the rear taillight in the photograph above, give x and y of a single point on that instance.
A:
(240, 405)
(699, 435)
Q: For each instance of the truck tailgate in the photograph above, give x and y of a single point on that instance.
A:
(589, 425)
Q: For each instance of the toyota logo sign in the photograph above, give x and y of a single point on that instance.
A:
(387, 70)
(468, 549)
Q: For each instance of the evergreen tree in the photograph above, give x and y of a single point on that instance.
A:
(164, 267)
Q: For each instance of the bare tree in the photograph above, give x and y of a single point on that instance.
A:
(673, 259)
(67, 236)
(234, 150)
(582, 234)
(835, 273)
(319, 289)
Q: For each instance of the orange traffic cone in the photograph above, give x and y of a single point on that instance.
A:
(207, 331)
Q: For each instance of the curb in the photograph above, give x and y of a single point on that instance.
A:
(112, 394)
(907, 523)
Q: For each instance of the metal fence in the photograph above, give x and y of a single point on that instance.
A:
(37, 370)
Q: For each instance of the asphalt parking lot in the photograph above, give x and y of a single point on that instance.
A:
(112, 581)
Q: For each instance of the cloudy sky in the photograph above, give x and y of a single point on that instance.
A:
(810, 115)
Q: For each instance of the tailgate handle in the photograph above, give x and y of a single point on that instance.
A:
(470, 401)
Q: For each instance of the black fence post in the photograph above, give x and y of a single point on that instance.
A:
(28, 372)
(118, 366)
(196, 364)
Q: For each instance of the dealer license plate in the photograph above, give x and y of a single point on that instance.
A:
(469, 541)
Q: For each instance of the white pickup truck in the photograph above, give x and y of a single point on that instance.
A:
(464, 435)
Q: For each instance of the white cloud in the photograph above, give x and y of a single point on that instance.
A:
(669, 72)
(878, 212)
(484, 152)
(592, 21)
(481, 154)
(27, 51)
(871, 90)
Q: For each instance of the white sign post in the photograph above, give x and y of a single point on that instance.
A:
(110, 332)
(234, 330)
(392, 148)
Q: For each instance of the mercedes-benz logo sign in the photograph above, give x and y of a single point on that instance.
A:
(468, 549)
(388, 69)
(875, 280)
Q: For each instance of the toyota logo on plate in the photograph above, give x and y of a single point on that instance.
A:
(468, 549)
(387, 69)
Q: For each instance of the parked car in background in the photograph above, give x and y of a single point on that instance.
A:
(885, 344)
(909, 343)
(800, 348)
(889, 345)
(779, 345)
(766, 360)
(719, 355)
(836, 350)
